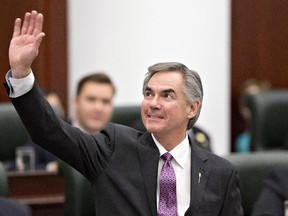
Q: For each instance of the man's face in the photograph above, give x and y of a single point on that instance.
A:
(94, 106)
(165, 110)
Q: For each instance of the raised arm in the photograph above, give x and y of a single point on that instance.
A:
(25, 43)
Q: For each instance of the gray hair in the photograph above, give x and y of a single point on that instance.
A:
(192, 83)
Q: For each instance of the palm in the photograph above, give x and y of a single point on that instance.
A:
(22, 51)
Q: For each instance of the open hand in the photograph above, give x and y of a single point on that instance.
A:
(25, 43)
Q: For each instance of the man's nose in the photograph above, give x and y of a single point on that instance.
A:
(155, 102)
(98, 105)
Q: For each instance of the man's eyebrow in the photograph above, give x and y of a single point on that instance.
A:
(147, 88)
(168, 91)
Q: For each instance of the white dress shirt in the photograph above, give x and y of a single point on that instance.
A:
(21, 86)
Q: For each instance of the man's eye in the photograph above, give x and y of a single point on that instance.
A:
(90, 99)
(106, 102)
(167, 95)
(147, 93)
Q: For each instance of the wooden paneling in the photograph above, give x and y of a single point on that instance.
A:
(259, 48)
(50, 67)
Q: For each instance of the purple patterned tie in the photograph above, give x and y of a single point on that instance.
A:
(167, 199)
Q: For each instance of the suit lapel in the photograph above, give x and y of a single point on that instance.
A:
(149, 158)
(199, 177)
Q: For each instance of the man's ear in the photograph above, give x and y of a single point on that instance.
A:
(193, 109)
(76, 100)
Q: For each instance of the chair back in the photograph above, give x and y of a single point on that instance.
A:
(253, 168)
(128, 115)
(3, 182)
(78, 193)
(12, 132)
(269, 122)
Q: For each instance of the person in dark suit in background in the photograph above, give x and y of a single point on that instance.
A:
(124, 164)
(200, 137)
(271, 201)
(10, 207)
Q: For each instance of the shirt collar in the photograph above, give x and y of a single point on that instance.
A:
(76, 124)
(179, 153)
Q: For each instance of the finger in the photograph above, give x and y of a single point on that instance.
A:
(25, 23)
(31, 25)
(38, 24)
(17, 26)
(38, 40)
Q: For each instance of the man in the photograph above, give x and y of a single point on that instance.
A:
(93, 102)
(273, 199)
(248, 88)
(13, 208)
(124, 164)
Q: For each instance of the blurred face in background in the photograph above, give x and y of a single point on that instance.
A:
(55, 101)
(93, 106)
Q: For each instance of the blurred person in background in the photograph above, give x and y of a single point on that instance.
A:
(93, 102)
(10, 207)
(93, 109)
(249, 87)
(273, 199)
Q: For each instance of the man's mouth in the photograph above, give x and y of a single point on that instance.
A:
(154, 116)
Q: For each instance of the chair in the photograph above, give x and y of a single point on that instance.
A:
(3, 181)
(253, 168)
(128, 115)
(12, 133)
(78, 195)
(269, 122)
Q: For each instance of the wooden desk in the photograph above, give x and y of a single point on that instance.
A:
(42, 191)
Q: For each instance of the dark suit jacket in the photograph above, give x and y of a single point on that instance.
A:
(42, 157)
(274, 193)
(121, 163)
(9, 207)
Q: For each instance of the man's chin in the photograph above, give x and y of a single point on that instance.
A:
(96, 127)
(153, 129)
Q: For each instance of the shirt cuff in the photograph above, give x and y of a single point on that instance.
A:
(19, 87)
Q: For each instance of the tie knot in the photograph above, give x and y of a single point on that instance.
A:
(167, 156)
